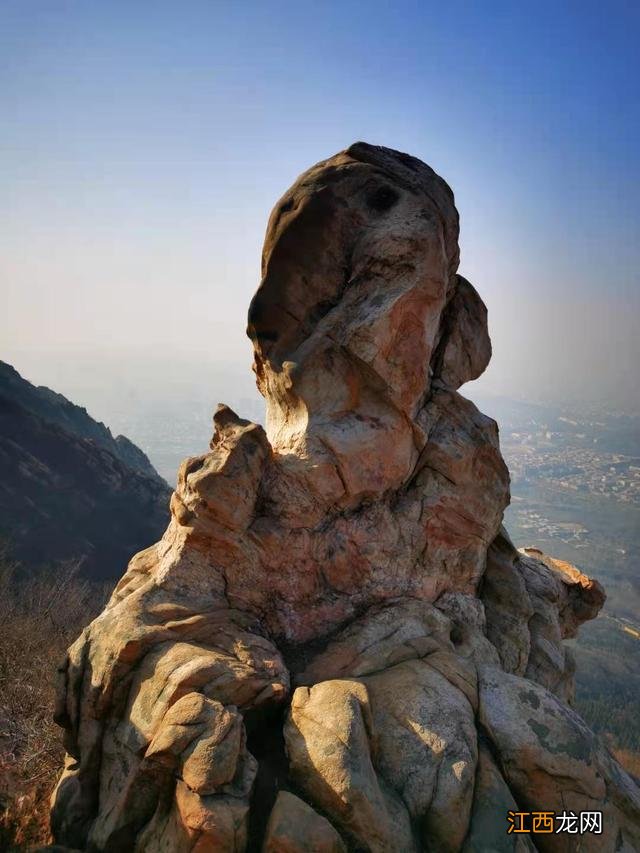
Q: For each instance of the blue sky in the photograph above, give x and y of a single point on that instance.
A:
(144, 145)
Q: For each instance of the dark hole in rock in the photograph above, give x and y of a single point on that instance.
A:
(194, 465)
(382, 198)
(456, 635)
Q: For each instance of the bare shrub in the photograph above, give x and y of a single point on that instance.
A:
(41, 614)
(630, 761)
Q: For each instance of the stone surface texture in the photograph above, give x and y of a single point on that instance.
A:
(335, 646)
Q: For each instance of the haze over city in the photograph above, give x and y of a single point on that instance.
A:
(145, 145)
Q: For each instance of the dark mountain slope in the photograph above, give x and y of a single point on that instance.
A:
(56, 409)
(68, 489)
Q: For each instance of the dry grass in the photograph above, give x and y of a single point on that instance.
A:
(40, 615)
(629, 760)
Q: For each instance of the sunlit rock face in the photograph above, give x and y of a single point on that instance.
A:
(335, 646)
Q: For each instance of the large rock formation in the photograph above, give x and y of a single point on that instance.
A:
(335, 646)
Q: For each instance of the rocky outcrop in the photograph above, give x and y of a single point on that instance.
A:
(69, 490)
(335, 645)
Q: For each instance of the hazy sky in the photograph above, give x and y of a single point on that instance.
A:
(144, 143)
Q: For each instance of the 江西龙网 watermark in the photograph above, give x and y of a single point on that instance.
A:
(536, 823)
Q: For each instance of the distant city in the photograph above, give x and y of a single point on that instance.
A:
(575, 478)
(572, 460)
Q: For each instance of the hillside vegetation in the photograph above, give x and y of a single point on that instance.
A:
(41, 615)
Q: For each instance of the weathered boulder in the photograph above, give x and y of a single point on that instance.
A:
(553, 762)
(329, 737)
(335, 645)
(533, 602)
(492, 800)
(294, 827)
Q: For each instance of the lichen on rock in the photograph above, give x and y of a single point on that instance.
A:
(335, 645)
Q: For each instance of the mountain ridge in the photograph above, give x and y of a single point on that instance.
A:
(56, 408)
(69, 490)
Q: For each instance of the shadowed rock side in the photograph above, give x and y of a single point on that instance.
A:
(335, 646)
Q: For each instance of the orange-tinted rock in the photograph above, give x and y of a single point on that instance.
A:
(353, 548)
(294, 827)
